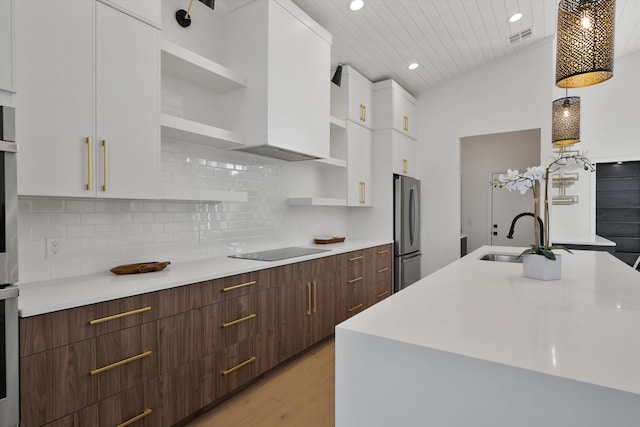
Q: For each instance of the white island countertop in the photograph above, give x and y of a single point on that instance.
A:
(476, 343)
(53, 295)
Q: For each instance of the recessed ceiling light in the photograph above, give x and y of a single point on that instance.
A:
(515, 17)
(413, 66)
(356, 4)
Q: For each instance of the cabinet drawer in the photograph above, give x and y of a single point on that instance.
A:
(354, 258)
(136, 407)
(85, 417)
(125, 358)
(218, 290)
(43, 332)
(383, 256)
(236, 365)
(378, 291)
(229, 322)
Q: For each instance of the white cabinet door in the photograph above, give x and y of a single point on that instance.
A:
(298, 90)
(404, 113)
(55, 104)
(128, 106)
(148, 10)
(403, 153)
(353, 99)
(359, 165)
(395, 108)
(6, 45)
(68, 105)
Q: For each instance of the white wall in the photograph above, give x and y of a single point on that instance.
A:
(511, 94)
(610, 131)
(480, 156)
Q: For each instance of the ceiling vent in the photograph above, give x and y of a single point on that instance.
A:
(521, 36)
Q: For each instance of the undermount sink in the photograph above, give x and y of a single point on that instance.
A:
(501, 257)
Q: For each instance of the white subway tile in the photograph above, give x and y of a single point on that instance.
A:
(94, 218)
(47, 205)
(80, 206)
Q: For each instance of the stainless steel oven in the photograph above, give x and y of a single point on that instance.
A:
(9, 377)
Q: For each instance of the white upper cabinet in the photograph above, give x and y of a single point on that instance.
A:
(146, 10)
(6, 45)
(359, 165)
(285, 56)
(353, 99)
(403, 151)
(395, 108)
(88, 101)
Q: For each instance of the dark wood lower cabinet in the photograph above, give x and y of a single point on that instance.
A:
(155, 359)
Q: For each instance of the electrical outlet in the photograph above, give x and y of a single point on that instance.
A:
(54, 247)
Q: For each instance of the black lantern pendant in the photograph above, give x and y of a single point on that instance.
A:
(565, 121)
(585, 42)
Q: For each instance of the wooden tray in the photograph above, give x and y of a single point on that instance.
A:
(141, 267)
(329, 240)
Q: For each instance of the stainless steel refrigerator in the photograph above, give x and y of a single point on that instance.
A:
(406, 231)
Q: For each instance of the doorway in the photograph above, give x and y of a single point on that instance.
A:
(480, 157)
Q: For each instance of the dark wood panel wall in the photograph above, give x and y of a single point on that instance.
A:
(618, 207)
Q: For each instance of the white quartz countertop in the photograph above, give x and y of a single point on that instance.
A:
(53, 295)
(581, 239)
(584, 327)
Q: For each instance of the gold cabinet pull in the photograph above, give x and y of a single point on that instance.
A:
(136, 418)
(383, 270)
(241, 285)
(355, 308)
(315, 296)
(364, 113)
(309, 298)
(383, 294)
(357, 279)
(356, 258)
(364, 192)
(405, 167)
(242, 319)
(105, 160)
(120, 363)
(361, 112)
(243, 364)
(386, 251)
(406, 123)
(119, 316)
(89, 169)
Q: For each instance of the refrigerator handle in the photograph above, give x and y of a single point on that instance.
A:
(412, 214)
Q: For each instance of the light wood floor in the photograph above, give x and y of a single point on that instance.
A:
(301, 393)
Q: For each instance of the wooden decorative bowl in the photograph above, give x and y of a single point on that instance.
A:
(141, 267)
(329, 240)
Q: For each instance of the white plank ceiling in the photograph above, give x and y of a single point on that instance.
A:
(446, 37)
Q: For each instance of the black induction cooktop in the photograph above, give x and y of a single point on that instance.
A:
(278, 254)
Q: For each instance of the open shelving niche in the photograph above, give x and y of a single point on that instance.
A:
(336, 162)
(195, 69)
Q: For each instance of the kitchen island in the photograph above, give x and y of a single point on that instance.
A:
(477, 344)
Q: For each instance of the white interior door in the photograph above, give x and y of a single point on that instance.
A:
(505, 206)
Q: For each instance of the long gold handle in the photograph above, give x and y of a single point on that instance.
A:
(241, 285)
(136, 418)
(406, 123)
(405, 166)
(383, 270)
(355, 308)
(242, 319)
(356, 258)
(243, 364)
(89, 169)
(383, 294)
(105, 159)
(315, 296)
(386, 251)
(364, 113)
(119, 316)
(361, 113)
(309, 299)
(120, 363)
(364, 193)
(357, 279)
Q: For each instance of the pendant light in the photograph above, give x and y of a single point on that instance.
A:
(585, 39)
(565, 121)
